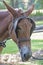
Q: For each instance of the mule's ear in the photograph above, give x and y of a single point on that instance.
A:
(10, 9)
(29, 11)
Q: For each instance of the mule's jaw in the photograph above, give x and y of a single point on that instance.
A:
(25, 53)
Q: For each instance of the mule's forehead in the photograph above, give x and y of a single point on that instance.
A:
(25, 23)
(25, 27)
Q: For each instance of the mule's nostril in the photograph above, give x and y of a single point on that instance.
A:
(26, 56)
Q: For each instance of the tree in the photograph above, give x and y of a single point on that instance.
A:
(12, 3)
(41, 3)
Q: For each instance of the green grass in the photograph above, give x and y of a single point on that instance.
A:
(37, 44)
(11, 47)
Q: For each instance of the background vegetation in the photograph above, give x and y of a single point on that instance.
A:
(22, 3)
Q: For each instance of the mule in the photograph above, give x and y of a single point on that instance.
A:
(18, 26)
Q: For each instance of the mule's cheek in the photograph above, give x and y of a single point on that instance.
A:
(25, 53)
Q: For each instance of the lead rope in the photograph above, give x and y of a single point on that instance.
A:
(36, 58)
(38, 55)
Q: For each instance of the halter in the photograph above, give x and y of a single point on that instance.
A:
(23, 40)
(17, 21)
(15, 24)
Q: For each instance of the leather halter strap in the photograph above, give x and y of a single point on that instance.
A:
(23, 40)
(17, 21)
(15, 27)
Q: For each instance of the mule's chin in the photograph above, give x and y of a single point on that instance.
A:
(25, 53)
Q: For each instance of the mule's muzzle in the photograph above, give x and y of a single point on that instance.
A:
(25, 53)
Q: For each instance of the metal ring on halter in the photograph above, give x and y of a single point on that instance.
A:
(3, 44)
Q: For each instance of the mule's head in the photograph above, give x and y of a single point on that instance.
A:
(21, 29)
(23, 32)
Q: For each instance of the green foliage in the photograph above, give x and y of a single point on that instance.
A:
(41, 2)
(38, 5)
(2, 6)
(37, 14)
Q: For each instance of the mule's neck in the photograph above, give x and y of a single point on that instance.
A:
(4, 33)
